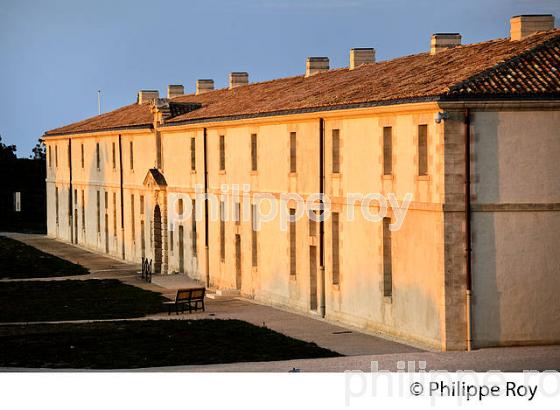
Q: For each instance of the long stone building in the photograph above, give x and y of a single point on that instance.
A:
(470, 134)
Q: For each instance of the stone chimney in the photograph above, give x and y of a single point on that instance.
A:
(527, 24)
(316, 65)
(443, 41)
(237, 79)
(146, 96)
(204, 85)
(175, 90)
(359, 56)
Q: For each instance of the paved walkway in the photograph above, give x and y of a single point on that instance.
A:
(342, 340)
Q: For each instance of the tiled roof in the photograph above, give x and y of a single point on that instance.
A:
(529, 67)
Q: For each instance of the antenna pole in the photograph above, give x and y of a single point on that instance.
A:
(98, 101)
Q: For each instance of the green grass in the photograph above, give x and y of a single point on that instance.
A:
(147, 343)
(32, 301)
(21, 261)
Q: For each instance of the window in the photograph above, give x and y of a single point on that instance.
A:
(50, 157)
(335, 249)
(335, 151)
(292, 233)
(83, 210)
(253, 152)
(193, 227)
(56, 203)
(56, 156)
(131, 155)
(141, 204)
(222, 232)
(106, 201)
(171, 240)
(237, 216)
(114, 156)
(254, 254)
(422, 150)
(387, 150)
(222, 153)
(293, 159)
(97, 156)
(82, 155)
(98, 212)
(75, 197)
(132, 218)
(193, 154)
(387, 259)
(114, 214)
(312, 223)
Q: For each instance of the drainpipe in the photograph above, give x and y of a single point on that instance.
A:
(322, 223)
(468, 247)
(206, 247)
(70, 198)
(122, 196)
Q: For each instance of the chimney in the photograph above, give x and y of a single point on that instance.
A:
(175, 90)
(443, 41)
(204, 85)
(527, 24)
(359, 56)
(145, 96)
(316, 65)
(237, 79)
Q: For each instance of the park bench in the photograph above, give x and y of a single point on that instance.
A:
(191, 299)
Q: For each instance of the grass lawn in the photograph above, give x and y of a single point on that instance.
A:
(147, 343)
(31, 301)
(20, 261)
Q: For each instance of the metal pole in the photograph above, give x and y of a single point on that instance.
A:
(98, 102)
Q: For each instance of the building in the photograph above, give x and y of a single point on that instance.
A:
(481, 119)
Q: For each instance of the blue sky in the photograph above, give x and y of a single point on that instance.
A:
(55, 55)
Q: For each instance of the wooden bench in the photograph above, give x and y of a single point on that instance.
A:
(191, 299)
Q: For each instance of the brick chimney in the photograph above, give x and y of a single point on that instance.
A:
(204, 85)
(443, 41)
(145, 96)
(237, 79)
(316, 65)
(175, 90)
(359, 56)
(527, 24)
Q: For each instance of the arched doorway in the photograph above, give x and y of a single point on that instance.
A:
(157, 240)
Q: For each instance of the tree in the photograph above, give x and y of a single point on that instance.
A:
(40, 151)
(7, 152)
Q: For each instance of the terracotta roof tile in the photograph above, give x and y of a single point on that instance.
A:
(529, 67)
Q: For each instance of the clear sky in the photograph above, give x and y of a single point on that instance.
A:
(55, 55)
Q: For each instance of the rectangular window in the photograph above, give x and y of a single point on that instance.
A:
(82, 155)
(237, 216)
(387, 150)
(114, 214)
(193, 227)
(141, 204)
(114, 156)
(131, 155)
(387, 259)
(97, 156)
(193, 154)
(312, 223)
(56, 156)
(56, 203)
(253, 152)
(50, 157)
(335, 151)
(293, 158)
(98, 212)
(106, 201)
(83, 210)
(335, 249)
(75, 198)
(222, 232)
(132, 219)
(254, 254)
(422, 150)
(292, 233)
(222, 153)
(171, 240)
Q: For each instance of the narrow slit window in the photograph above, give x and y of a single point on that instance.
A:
(131, 155)
(335, 249)
(335, 151)
(97, 156)
(82, 155)
(292, 233)
(422, 150)
(132, 218)
(253, 152)
(98, 212)
(193, 154)
(222, 232)
(222, 153)
(83, 210)
(293, 157)
(114, 156)
(387, 150)
(56, 202)
(254, 254)
(56, 156)
(141, 204)
(193, 227)
(114, 214)
(387, 259)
